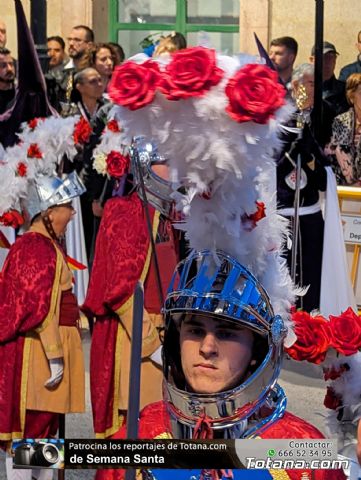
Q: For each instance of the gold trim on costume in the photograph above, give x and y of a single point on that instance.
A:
(54, 292)
(24, 381)
(163, 436)
(279, 474)
(53, 348)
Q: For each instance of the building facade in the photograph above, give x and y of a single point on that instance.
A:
(227, 25)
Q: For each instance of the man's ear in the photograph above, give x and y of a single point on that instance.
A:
(312, 59)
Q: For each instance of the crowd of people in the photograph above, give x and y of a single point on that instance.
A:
(216, 339)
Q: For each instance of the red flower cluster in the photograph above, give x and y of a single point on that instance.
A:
(315, 335)
(334, 373)
(332, 400)
(250, 221)
(12, 218)
(133, 85)
(34, 123)
(113, 126)
(21, 169)
(117, 164)
(191, 73)
(313, 338)
(346, 332)
(82, 132)
(34, 151)
(254, 94)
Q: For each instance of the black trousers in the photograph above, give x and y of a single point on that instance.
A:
(309, 259)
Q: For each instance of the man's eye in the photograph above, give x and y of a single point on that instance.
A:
(226, 334)
(194, 330)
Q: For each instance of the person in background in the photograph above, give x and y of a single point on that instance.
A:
(60, 81)
(333, 91)
(86, 95)
(56, 52)
(2, 34)
(313, 180)
(102, 59)
(118, 53)
(7, 79)
(39, 319)
(171, 43)
(354, 67)
(283, 53)
(345, 145)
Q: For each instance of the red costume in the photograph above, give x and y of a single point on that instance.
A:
(32, 298)
(154, 423)
(122, 257)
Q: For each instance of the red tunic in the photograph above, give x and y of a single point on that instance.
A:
(26, 286)
(122, 257)
(154, 422)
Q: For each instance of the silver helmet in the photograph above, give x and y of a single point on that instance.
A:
(215, 285)
(48, 191)
(144, 154)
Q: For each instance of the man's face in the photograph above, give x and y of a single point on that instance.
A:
(282, 57)
(78, 43)
(7, 69)
(92, 85)
(304, 91)
(2, 34)
(329, 64)
(215, 354)
(55, 53)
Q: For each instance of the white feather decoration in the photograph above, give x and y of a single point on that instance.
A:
(231, 163)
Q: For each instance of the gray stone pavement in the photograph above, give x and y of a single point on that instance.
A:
(302, 383)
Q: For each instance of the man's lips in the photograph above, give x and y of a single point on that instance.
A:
(206, 365)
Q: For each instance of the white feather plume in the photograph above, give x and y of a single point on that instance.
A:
(208, 152)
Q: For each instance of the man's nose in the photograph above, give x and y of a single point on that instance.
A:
(209, 345)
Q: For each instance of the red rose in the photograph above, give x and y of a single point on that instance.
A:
(134, 85)
(21, 169)
(332, 400)
(191, 73)
(117, 164)
(34, 123)
(334, 373)
(346, 332)
(313, 338)
(254, 94)
(34, 151)
(113, 126)
(82, 132)
(12, 218)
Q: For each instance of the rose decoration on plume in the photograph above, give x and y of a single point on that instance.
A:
(313, 338)
(191, 73)
(134, 85)
(113, 126)
(117, 164)
(346, 332)
(21, 169)
(82, 132)
(12, 218)
(254, 94)
(34, 151)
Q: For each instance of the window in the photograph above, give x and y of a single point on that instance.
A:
(211, 22)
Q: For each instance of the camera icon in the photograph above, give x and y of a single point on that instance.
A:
(37, 454)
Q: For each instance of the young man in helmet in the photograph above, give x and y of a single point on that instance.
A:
(222, 355)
